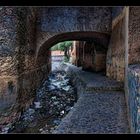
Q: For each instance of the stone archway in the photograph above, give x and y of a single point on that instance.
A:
(101, 38)
(42, 56)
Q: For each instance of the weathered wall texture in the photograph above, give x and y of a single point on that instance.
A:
(116, 50)
(25, 31)
(73, 53)
(80, 51)
(77, 53)
(94, 57)
(89, 55)
(56, 20)
(134, 69)
(134, 96)
(31, 72)
(20, 75)
(66, 19)
(134, 35)
(8, 53)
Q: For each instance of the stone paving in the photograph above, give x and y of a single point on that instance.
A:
(95, 81)
(99, 112)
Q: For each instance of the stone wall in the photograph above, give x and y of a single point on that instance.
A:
(8, 57)
(134, 35)
(133, 71)
(94, 57)
(25, 57)
(20, 74)
(134, 96)
(116, 51)
(73, 53)
(66, 19)
(88, 52)
(89, 55)
(32, 71)
(80, 53)
(56, 20)
(77, 53)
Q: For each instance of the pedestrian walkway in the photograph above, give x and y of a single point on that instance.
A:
(103, 111)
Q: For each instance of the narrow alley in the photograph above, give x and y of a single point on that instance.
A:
(70, 70)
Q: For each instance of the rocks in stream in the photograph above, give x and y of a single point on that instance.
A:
(52, 102)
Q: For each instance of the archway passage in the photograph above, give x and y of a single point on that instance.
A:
(89, 55)
(92, 44)
(102, 97)
(107, 101)
(101, 38)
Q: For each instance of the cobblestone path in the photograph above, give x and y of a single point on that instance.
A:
(97, 112)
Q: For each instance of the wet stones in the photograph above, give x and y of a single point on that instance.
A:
(52, 102)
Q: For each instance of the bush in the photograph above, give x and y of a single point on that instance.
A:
(61, 46)
(54, 48)
(66, 59)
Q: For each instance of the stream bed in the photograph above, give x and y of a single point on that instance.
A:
(52, 102)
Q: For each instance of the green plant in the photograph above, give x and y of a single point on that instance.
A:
(63, 46)
(66, 59)
(54, 48)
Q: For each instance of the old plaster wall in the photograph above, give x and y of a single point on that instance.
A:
(115, 62)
